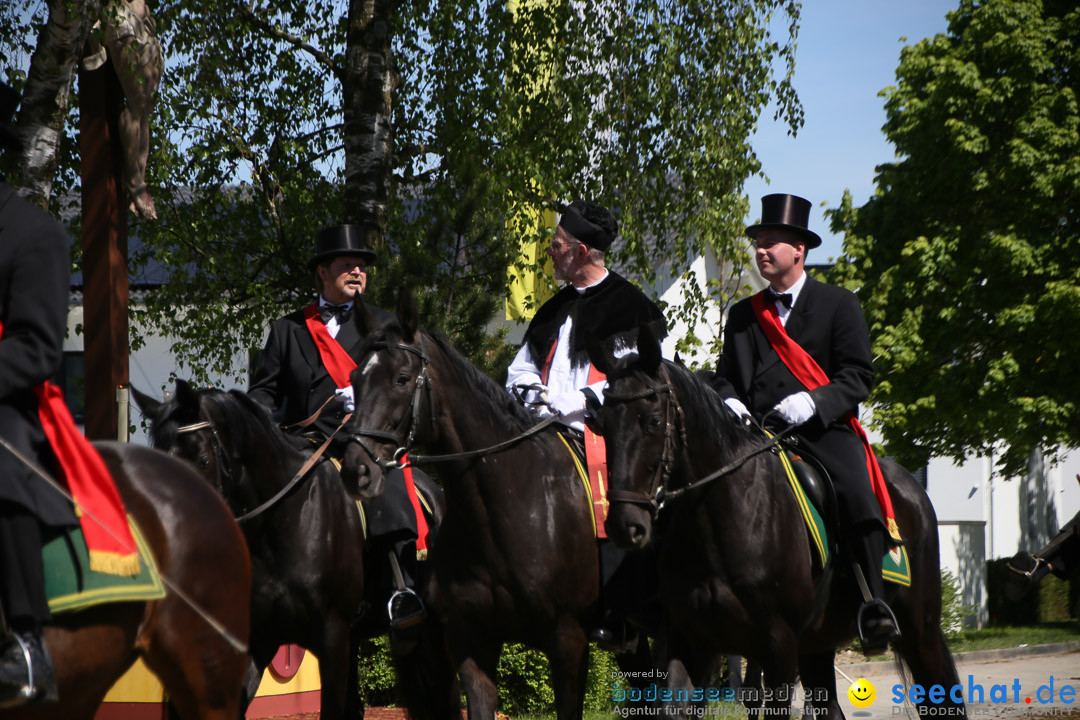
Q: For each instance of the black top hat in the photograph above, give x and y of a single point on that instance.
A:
(786, 212)
(341, 240)
(9, 101)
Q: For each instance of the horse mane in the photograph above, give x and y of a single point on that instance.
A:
(485, 388)
(726, 431)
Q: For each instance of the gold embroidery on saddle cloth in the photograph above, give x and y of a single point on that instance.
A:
(583, 475)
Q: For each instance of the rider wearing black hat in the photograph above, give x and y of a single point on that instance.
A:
(761, 373)
(304, 369)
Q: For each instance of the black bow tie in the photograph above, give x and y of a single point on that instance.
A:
(785, 298)
(341, 312)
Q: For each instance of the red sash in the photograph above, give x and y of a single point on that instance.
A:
(340, 365)
(809, 373)
(97, 501)
(595, 452)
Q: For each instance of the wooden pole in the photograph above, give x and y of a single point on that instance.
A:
(104, 243)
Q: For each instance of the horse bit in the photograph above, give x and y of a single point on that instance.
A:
(674, 418)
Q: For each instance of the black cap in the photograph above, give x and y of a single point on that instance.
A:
(786, 212)
(9, 102)
(341, 240)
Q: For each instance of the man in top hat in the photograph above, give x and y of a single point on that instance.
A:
(34, 268)
(301, 372)
(770, 341)
(552, 374)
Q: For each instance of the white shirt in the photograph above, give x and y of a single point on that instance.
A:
(783, 310)
(333, 327)
(562, 376)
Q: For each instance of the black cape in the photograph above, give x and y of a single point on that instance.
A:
(610, 311)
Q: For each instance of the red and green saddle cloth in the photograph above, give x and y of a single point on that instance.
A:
(110, 545)
(895, 567)
(70, 583)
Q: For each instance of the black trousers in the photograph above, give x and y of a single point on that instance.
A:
(22, 576)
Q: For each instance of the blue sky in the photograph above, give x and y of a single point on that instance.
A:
(848, 51)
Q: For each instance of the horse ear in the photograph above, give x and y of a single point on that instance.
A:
(600, 358)
(185, 394)
(363, 319)
(649, 355)
(678, 360)
(407, 314)
(147, 405)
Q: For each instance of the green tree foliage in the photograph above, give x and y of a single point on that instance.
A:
(966, 256)
(266, 128)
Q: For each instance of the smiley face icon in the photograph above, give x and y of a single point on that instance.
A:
(862, 693)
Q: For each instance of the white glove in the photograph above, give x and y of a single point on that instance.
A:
(737, 407)
(567, 403)
(346, 395)
(796, 408)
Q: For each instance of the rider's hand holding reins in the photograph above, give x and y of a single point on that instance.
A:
(796, 408)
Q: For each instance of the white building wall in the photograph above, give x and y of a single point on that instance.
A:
(149, 369)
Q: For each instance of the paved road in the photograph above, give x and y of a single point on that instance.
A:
(1039, 682)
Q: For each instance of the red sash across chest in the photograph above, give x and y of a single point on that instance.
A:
(340, 366)
(103, 517)
(809, 373)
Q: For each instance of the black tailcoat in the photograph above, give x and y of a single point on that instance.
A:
(293, 383)
(34, 284)
(828, 323)
(35, 267)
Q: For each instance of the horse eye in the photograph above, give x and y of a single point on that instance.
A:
(402, 380)
(204, 462)
(654, 421)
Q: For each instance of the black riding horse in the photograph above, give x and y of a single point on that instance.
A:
(1060, 556)
(307, 546)
(200, 552)
(736, 561)
(516, 559)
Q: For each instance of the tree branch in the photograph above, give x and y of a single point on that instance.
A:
(248, 10)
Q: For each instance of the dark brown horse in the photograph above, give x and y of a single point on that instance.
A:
(1060, 556)
(307, 539)
(516, 559)
(736, 561)
(199, 549)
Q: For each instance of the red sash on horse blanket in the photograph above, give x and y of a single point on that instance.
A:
(809, 373)
(340, 365)
(98, 504)
(595, 452)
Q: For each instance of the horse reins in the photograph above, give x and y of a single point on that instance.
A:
(657, 493)
(404, 447)
(674, 419)
(219, 448)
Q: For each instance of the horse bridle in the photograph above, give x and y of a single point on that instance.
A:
(397, 436)
(674, 420)
(222, 470)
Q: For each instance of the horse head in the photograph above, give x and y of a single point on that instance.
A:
(388, 386)
(181, 426)
(638, 419)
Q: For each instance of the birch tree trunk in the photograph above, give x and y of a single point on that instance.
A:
(44, 108)
(368, 86)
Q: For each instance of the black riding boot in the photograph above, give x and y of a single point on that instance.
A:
(405, 608)
(876, 623)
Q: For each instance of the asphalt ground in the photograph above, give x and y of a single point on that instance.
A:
(1041, 681)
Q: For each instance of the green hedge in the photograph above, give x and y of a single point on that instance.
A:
(524, 680)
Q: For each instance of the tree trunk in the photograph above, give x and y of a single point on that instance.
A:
(368, 87)
(44, 107)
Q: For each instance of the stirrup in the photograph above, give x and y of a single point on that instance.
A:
(24, 694)
(415, 617)
(876, 642)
